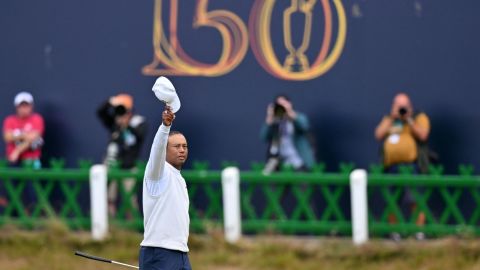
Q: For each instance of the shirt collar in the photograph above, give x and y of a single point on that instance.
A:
(175, 169)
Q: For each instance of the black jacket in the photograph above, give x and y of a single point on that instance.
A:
(127, 141)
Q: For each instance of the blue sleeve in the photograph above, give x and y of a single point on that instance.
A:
(301, 123)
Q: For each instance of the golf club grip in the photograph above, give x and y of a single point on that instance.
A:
(78, 253)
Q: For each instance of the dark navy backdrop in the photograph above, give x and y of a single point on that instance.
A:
(73, 54)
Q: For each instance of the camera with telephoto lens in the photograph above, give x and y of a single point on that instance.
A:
(278, 110)
(403, 111)
(120, 110)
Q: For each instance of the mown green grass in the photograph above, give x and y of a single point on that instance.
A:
(53, 248)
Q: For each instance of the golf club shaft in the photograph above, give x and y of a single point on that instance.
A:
(126, 265)
(91, 257)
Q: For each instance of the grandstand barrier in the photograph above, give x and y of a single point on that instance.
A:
(316, 203)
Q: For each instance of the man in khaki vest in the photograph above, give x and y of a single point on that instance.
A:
(402, 132)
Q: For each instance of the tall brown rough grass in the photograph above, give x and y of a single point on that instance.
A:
(53, 247)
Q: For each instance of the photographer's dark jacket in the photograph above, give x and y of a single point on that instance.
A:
(125, 144)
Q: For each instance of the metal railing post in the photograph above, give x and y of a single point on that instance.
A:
(231, 204)
(358, 195)
(99, 201)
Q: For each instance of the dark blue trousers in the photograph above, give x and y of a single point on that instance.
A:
(155, 258)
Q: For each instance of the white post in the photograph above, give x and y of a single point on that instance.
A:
(99, 201)
(358, 196)
(231, 204)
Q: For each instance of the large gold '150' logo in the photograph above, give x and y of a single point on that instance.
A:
(171, 59)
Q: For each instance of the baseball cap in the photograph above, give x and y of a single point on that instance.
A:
(23, 97)
(165, 92)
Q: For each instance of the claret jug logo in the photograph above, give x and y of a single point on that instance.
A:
(171, 59)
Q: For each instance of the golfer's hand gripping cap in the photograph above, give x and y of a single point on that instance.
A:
(165, 92)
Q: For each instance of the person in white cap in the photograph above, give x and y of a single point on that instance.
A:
(23, 132)
(23, 136)
(165, 195)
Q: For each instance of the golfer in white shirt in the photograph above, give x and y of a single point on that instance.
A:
(165, 201)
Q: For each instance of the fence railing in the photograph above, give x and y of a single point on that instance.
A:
(32, 197)
(284, 202)
(448, 204)
(295, 203)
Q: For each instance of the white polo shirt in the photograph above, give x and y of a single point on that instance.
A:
(165, 200)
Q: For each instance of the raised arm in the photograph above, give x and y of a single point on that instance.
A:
(106, 115)
(156, 161)
(382, 130)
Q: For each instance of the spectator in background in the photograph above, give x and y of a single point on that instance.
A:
(127, 134)
(22, 133)
(404, 134)
(287, 133)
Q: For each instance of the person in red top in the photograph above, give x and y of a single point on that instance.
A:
(23, 132)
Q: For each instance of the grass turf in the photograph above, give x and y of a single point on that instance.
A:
(53, 248)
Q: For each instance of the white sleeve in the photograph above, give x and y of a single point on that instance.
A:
(156, 161)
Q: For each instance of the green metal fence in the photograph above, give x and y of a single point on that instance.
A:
(27, 195)
(30, 198)
(450, 204)
(284, 202)
(289, 202)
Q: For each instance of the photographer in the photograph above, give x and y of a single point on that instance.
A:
(287, 132)
(404, 134)
(127, 133)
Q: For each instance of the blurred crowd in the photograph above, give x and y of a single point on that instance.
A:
(403, 135)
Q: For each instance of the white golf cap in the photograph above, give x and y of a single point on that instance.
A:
(23, 97)
(165, 91)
